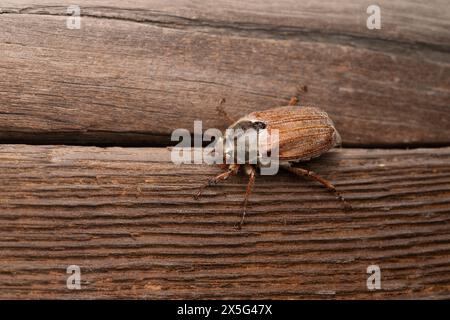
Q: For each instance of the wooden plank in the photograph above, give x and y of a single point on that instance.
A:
(127, 218)
(134, 72)
(402, 20)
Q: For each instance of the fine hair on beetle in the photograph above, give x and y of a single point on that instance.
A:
(252, 145)
(281, 137)
(247, 143)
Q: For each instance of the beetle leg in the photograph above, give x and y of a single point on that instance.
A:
(293, 101)
(250, 170)
(222, 111)
(232, 170)
(314, 176)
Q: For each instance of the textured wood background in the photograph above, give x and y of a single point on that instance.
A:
(126, 216)
(137, 70)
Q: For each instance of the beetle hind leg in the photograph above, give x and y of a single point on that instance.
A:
(327, 184)
(293, 101)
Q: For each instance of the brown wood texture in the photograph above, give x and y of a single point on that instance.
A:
(138, 69)
(126, 216)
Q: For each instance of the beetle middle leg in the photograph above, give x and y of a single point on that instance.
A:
(251, 172)
(232, 170)
(314, 176)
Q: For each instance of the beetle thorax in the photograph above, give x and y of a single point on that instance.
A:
(241, 142)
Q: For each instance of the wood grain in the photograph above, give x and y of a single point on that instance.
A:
(126, 216)
(137, 70)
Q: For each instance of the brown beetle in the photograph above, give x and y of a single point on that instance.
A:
(304, 133)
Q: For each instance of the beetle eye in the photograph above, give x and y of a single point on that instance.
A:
(259, 125)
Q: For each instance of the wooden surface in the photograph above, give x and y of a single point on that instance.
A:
(137, 70)
(126, 216)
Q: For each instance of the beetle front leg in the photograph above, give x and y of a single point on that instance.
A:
(220, 109)
(314, 176)
(232, 170)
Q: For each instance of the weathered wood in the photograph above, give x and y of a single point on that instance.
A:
(404, 21)
(137, 70)
(127, 218)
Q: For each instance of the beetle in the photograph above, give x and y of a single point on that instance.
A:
(305, 132)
